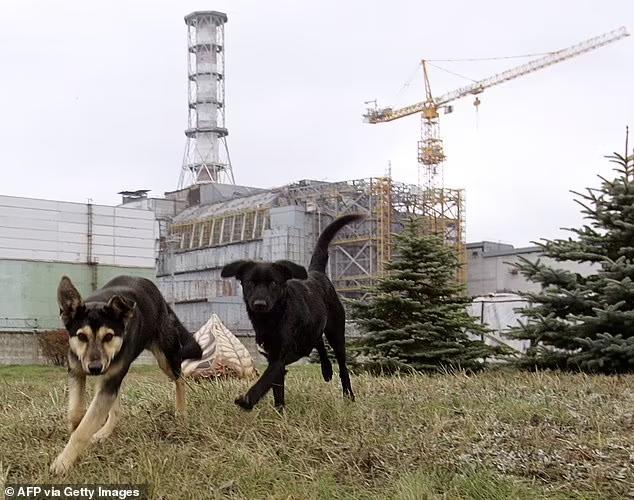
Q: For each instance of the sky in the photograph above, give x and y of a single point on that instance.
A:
(93, 99)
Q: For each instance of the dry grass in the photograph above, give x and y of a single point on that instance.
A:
(495, 435)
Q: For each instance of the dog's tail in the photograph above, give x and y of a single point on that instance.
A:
(320, 254)
(190, 349)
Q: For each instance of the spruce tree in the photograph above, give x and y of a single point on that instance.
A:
(415, 317)
(586, 322)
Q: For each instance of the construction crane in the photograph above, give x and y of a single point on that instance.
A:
(430, 148)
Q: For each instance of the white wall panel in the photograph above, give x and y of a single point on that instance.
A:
(103, 240)
(133, 213)
(103, 230)
(103, 210)
(27, 234)
(131, 261)
(137, 232)
(21, 222)
(134, 252)
(10, 253)
(103, 220)
(71, 227)
(77, 218)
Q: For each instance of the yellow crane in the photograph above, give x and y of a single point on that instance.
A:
(430, 148)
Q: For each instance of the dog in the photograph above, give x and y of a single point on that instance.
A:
(107, 332)
(290, 310)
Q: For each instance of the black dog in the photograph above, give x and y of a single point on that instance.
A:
(290, 311)
(107, 333)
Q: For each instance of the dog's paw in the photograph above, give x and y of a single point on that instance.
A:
(326, 372)
(244, 403)
(61, 465)
(100, 436)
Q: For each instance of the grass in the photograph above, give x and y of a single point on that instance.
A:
(497, 435)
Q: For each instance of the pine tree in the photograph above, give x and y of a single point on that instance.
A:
(415, 317)
(586, 322)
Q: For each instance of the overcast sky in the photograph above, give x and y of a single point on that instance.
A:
(93, 98)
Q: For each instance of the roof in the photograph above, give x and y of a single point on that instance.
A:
(502, 248)
(138, 193)
(201, 212)
(513, 251)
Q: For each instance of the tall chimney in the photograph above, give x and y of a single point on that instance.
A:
(206, 157)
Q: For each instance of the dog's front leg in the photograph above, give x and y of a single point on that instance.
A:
(181, 405)
(92, 421)
(278, 391)
(113, 417)
(272, 374)
(76, 398)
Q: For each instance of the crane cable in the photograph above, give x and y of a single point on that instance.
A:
(474, 59)
(452, 72)
(407, 82)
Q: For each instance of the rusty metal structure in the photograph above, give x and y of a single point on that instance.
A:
(360, 252)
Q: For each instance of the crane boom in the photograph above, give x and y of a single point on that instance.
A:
(389, 114)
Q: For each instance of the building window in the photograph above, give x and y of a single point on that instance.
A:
(234, 228)
(196, 235)
(238, 224)
(206, 233)
(215, 235)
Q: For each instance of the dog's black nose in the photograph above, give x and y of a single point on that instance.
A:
(95, 368)
(259, 305)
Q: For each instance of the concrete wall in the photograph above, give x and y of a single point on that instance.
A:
(23, 349)
(490, 270)
(20, 349)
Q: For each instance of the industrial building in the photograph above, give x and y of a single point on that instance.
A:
(490, 268)
(42, 240)
(226, 222)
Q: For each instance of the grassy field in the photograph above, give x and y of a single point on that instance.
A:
(496, 435)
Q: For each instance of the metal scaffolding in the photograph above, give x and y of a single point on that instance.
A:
(361, 251)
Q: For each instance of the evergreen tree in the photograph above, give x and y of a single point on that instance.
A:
(415, 317)
(586, 322)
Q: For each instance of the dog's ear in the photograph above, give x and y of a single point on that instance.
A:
(237, 269)
(69, 300)
(290, 270)
(121, 307)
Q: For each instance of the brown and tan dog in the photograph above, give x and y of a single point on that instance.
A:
(107, 332)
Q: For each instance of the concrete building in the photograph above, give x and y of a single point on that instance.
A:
(490, 270)
(225, 222)
(494, 282)
(42, 240)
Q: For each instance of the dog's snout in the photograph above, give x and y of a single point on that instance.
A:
(95, 367)
(259, 305)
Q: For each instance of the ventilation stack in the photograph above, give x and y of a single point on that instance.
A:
(206, 157)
